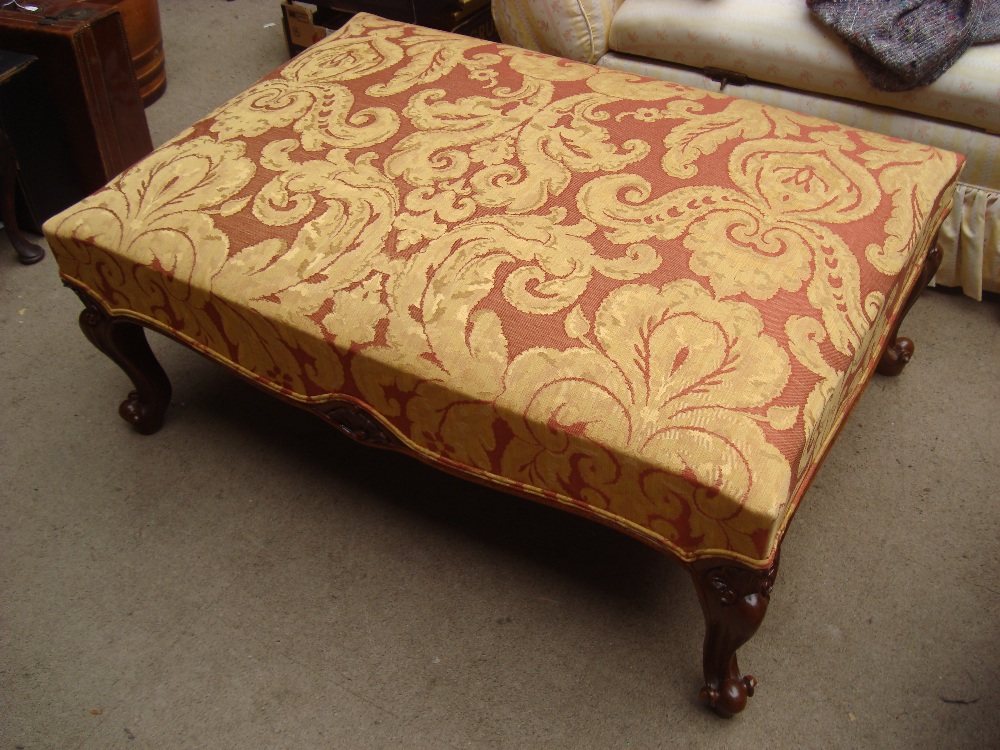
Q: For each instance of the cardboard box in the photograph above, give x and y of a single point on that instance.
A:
(300, 30)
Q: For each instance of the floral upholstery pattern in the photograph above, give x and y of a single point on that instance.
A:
(969, 239)
(651, 304)
(794, 63)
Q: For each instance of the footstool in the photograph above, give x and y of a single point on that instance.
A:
(647, 304)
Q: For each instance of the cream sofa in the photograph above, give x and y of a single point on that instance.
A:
(775, 52)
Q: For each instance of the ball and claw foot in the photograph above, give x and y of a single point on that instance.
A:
(732, 698)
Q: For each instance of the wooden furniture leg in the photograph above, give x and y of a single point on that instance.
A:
(124, 341)
(734, 601)
(27, 252)
(898, 350)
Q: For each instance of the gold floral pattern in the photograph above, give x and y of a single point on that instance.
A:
(651, 304)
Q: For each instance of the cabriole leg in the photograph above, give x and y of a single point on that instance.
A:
(898, 349)
(27, 252)
(125, 343)
(734, 600)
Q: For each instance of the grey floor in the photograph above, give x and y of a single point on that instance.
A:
(249, 579)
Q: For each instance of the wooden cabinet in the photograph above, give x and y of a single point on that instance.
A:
(308, 21)
(145, 42)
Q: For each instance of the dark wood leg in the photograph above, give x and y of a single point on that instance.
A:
(125, 343)
(898, 350)
(27, 252)
(734, 601)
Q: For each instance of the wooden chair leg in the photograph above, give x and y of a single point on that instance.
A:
(27, 252)
(124, 341)
(734, 601)
(898, 350)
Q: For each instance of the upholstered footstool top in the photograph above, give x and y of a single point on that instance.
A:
(650, 304)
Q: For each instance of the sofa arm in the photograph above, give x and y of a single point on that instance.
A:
(575, 29)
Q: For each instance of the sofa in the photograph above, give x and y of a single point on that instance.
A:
(777, 53)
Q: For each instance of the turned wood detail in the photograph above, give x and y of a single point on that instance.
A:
(734, 601)
(124, 342)
(898, 349)
(358, 424)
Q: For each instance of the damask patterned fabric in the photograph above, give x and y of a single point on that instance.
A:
(650, 304)
(808, 66)
(970, 236)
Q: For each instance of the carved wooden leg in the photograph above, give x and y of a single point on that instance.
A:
(125, 343)
(734, 600)
(898, 350)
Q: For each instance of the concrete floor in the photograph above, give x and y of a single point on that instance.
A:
(249, 579)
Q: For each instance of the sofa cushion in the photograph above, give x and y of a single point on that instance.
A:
(780, 42)
(577, 29)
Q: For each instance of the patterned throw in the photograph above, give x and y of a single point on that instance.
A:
(902, 45)
(650, 304)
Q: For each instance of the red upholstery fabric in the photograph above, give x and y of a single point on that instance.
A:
(651, 304)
